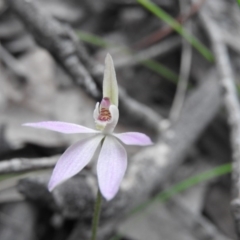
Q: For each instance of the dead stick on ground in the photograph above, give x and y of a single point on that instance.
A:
(231, 104)
(15, 66)
(185, 68)
(55, 37)
(23, 164)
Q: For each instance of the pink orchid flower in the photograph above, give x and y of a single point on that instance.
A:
(112, 161)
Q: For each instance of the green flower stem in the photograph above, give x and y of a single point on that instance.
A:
(238, 1)
(96, 215)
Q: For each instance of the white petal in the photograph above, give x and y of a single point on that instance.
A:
(110, 87)
(110, 126)
(96, 111)
(134, 138)
(62, 127)
(74, 159)
(111, 167)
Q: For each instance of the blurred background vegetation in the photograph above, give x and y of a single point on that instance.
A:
(177, 64)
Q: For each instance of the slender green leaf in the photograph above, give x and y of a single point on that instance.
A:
(161, 69)
(117, 237)
(238, 86)
(7, 176)
(238, 1)
(92, 39)
(180, 187)
(184, 185)
(99, 41)
(160, 13)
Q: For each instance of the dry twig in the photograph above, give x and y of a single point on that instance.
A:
(50, 34)
(231, 104)
(185, 68)
(15, 66)
(23, 165)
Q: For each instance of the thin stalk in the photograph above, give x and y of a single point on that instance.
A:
(238, 2)
(96, 215)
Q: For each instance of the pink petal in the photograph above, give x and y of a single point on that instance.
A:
(74, 159)
(111, 167)
(134, 138)
(62, 127)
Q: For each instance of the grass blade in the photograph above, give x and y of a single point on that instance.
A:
(160, 13)
(93, 39)
(180, 187)
(238, 2)
(161, 69)
(186, 184)
(7, 176)
(150, 64)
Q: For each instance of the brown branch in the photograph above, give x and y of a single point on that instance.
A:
(23, 165)
(15, 66)
(185, 68)
(231, 104)
(50, 34)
